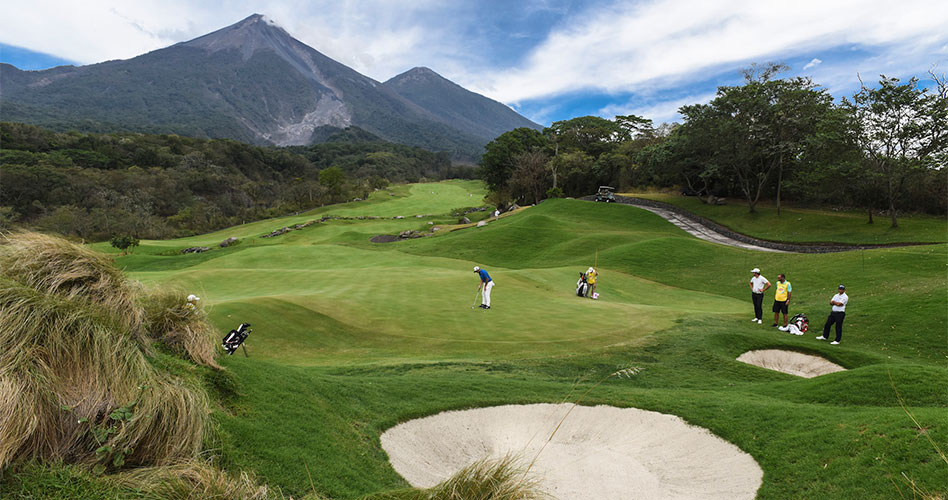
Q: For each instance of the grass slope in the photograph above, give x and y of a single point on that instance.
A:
(353, 337)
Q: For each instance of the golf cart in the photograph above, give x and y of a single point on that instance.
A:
(606, 194)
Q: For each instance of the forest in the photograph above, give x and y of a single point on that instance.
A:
(101, 186)
(883, 149)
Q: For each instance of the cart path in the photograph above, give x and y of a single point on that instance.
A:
(709, 230)
(703, 232)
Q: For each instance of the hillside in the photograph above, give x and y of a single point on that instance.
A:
(251, 81)
(96, 186)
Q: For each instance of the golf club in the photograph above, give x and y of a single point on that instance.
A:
(475, 296)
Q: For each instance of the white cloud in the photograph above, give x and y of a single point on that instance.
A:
(376, 37)
(813, 63)
(658, 112)
(620, 48)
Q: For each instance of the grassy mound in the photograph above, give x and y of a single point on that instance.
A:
(76, 380)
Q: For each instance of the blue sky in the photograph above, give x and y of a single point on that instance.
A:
(550, 60)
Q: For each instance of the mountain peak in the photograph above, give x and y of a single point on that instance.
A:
(418, 74)
(248, 35)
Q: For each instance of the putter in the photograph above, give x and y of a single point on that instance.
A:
(475, 297)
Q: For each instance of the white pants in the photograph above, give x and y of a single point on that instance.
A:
(485, 296)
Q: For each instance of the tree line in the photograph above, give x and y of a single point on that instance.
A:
(883, 148)
(102, 186)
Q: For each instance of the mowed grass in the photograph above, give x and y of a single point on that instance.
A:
(804, 225)
(352, 337)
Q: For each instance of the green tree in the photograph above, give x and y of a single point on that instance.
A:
(124, 242)
(332, 178)
(590, 134)
(902, 129)
(499, 161)
(529, 180)
(757, 129)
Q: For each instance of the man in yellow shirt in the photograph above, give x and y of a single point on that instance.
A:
(591, 281)
(782, 300)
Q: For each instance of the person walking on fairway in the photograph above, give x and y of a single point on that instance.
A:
(591, 275)
(782, 301)
(837, 313)
(758, 285)
(485, 286)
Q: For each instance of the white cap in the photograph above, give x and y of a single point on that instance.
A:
(590, 270)
(755, 270)
(476, 269)
(192, 298)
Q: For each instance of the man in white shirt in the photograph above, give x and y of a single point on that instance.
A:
(836, 316)
(758, 285)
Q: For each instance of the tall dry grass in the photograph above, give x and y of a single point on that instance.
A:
(52, 265)
(185, 331)
(192, 480)
(75, 383)
(504, 478)
(488, 479)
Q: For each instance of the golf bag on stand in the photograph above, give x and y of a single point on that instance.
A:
(581, 285)
(798, 325)
(236, 338)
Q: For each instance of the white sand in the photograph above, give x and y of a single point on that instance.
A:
(794, 363)
(599, 452)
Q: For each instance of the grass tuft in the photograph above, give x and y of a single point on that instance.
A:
(488, 479)
(75, 382)
(186, 332)
(192, 480)
(52, 265)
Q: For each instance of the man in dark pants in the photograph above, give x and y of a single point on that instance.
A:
(758, 285)
(837, 314)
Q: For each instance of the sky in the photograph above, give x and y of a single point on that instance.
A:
(548, 59)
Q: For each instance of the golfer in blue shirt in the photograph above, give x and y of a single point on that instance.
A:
(485, 286)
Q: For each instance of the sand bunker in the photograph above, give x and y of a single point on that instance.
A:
(599, 452)
(794, 363)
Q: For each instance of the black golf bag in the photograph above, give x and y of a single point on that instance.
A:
(235, 338)
(581, 285)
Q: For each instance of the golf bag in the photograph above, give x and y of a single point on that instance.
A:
(798, 325)
(235, 338)
(581, 285)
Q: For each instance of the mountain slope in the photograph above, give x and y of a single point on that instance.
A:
(453, 104)
(250, 81)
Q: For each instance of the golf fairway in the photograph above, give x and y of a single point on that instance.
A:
(352, 337)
